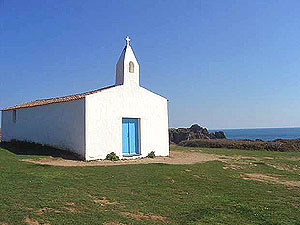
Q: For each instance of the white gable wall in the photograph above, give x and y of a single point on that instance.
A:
(104, 113)
(59, 125)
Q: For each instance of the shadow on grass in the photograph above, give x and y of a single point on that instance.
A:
(30, 148)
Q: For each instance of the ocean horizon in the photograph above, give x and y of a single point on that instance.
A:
(265, 134)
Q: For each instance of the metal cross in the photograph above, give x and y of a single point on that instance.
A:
(127, 40)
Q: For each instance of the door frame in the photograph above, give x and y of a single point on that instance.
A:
(138, 120)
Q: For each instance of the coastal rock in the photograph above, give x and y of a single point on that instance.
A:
(194, 132)
(220, 135)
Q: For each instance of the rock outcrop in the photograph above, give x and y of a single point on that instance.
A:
(177, 135)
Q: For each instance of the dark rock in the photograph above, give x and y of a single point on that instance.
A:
(178, 135)
(220, 135)
(195, 128)
(194, 132)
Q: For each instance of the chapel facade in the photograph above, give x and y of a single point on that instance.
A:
(124, 118)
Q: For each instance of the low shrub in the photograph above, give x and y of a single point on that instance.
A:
(112, 157)
(151, 155)
(281, 145)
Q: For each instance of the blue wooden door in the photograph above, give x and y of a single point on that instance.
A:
(130, 136)
(125, 137)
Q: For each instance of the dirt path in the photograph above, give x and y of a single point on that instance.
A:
(174, 158)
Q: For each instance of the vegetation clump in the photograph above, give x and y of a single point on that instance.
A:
(151, 155)
(281, 145)
(112, 157)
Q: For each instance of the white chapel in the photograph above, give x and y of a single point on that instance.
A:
(124, 118)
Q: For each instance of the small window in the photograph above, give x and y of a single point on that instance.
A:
(131, 67)
(14, 116)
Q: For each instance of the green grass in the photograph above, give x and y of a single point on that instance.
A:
(184, 194)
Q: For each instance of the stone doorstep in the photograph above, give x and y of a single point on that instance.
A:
(131, 155)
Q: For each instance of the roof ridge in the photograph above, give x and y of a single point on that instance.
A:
(47, 101)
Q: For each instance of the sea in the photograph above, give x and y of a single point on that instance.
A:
(265, 134)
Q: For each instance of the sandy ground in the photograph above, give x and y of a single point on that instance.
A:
(174, 158)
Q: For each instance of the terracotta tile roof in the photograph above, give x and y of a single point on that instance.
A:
(56, 100)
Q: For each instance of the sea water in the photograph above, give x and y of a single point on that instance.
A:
(262, 133)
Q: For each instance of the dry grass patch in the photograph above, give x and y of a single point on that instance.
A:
(270, 178)
(23, 207)
(142, 216)
(285, 167)
(47, 209)
(268, 157)
(114, 223)
(290, 158)
(170, 179)
(103, 202)
(233, 167)
(29, 221)
(70, 209)
(70, 203)
(239, 163)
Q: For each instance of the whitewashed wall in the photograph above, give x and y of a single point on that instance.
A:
(60, 125)
(104, 113)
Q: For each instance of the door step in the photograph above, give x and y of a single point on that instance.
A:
(131, 155)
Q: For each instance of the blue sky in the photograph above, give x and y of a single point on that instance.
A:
(222, 64)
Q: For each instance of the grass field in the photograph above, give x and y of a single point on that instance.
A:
(252, 188)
